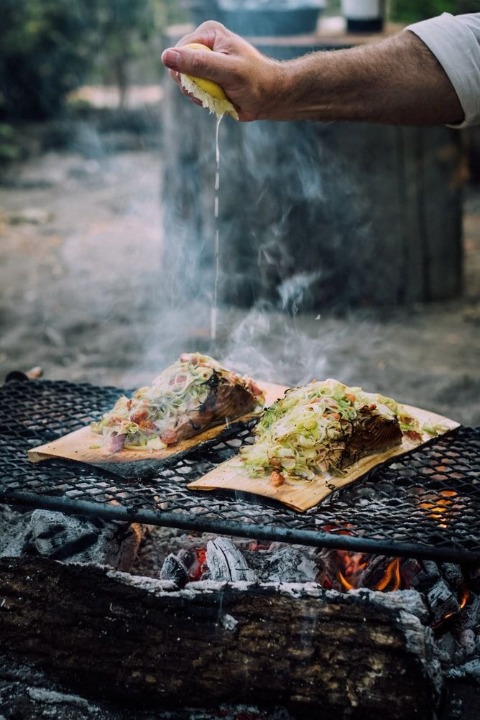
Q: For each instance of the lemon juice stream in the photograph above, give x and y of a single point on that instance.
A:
(216, 246)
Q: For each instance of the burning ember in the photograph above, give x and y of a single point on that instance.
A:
(354, 567)
(444, 586)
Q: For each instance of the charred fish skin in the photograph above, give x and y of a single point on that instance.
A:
(225, 403)
(372, 433)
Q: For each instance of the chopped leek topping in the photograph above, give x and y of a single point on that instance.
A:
(303, 434)
(145, 420)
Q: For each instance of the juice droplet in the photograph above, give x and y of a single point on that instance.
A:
(216, 247)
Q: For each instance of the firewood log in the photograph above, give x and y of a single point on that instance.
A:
(129, 638)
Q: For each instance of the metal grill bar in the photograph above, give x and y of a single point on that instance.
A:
(424, 505)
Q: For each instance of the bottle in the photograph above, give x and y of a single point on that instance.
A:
(364, 16)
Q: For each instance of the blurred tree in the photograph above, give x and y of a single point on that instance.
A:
(44, 53)
(125, 28)
(50, 47)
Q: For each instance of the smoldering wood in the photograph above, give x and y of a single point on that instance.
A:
(175, 570)
(453, 574)
(442, 586)
(226, 562)
(441, 601)
(284, 563)
(79, 539)
(411, 569)
(130, 639)
(471, 612)
(368, 570)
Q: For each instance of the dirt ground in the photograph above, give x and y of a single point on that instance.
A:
(82, 296)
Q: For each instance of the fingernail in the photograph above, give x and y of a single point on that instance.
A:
(170, 58)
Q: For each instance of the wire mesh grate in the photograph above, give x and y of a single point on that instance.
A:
(424, 504)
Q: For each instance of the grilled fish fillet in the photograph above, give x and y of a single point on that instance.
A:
(193, 394)
(323, 427)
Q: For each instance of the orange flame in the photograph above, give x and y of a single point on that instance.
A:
(438, 508)
(344, 582)
(462, 601)
(198, 568)
(350, 575)
(392, 576)
(465, 598)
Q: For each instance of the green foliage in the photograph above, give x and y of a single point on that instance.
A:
(9, 144)
(50, 47)
(123, 27)
(42, 54)
(468, 6)
(412, 10)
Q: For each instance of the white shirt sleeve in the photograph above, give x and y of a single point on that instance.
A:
(455, 42)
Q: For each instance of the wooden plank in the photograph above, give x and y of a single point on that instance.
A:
(232, 474)
(85, 446)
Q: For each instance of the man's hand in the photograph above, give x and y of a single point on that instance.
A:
(251, 81)
(395, 81)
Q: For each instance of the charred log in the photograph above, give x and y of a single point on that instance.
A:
(78, 539)
(127, 639)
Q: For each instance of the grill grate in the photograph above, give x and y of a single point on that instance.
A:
(425, 504)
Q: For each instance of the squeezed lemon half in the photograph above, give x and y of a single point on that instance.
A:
(210, 94)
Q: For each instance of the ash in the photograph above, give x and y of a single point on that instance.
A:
(451, 594)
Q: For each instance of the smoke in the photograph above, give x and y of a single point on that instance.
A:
(271, 346)
(121, 281)
(292, 290)
(294, 230)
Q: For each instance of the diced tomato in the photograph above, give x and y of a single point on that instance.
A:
(413, 435)
(139, 416)
(276, 478)
(169, 437)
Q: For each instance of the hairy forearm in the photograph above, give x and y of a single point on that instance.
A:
(395, 81)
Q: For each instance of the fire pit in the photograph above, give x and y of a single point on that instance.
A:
(291, 603)
(424, 505)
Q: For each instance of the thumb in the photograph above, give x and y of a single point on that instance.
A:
(198, 62)
(171, 58)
